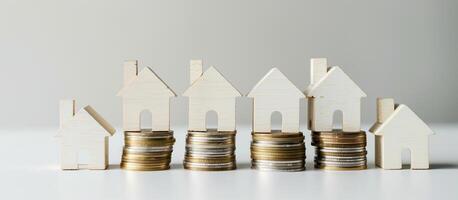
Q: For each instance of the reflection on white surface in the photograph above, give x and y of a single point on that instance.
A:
(265, 185)
(30, 170)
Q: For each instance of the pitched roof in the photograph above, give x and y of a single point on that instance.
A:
(87, 121)
(327, 85)
(403, 116)
(149, 81)
(212, 82)
(275, 83)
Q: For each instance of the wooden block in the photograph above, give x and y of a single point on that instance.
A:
(67, 110)
(85, 130)
(130, 71)
(385, 107)
(398, 131)
(145, 91)
(333, 92)
(318, 69)
(211, 92)
(274, 92)
(196, 69)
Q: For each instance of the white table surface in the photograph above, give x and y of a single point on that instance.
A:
(30, 170)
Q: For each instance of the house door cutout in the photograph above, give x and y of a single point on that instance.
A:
(337, 120)
(84, 159)
(211, 120)
(276, 121)
(406, 158)
(146, 120)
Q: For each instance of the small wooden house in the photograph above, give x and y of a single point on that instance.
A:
(84, 131)
(210, 91)
(331, 91)
(275, 93)
(145, 91)
(398, 128)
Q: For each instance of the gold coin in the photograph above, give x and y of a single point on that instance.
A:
(212, 133)
(338, 135)
(343, 154)
(258, 157)
(276, 134)
(278, 149)
(339, 145)
(148, 159)
(209, 160)
(148, 132)
(147, 144)
(338, 131)
(274, 153)
(148, 164)
(193, 168)
(363, 167)
(141, 168)
(339, 139)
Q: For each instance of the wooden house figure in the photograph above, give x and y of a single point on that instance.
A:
(144, 91)
(210, 91)
(84, 131)
(330, 91)
(275, 93)
(399, 128)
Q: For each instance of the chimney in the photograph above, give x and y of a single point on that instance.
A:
(318, 69)
(385, 107)
(130, 70)
(195, 70)
(67, 111)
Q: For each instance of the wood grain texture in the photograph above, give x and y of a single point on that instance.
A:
(402, 130)
(211, 92)
(130, 71)
(84, 131)
(318, 69)
(195, 71)
(145, 91)
(335, 91)
(274, 92)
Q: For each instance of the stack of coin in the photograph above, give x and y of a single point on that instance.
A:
(147, 150)
(210, 150)
(338, 150)
(278, 151)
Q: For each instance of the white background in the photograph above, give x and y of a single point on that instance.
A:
(30, 170)
(54, 49)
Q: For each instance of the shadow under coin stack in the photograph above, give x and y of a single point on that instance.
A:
(337, 150)
(210, 150)
(278, 151)
(147, 150)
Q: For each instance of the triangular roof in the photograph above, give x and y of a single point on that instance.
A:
(327, 85)
(146, 80)
(212, 82)
(87, 121)
(403, 116)
(275, 83)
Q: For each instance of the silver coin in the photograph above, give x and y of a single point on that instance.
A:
(205, 139)
(276, 145)
(341, 150)
(147, 149)
(278, 170)
(342, 157)
(279, 162)
(212, 149)
(208, 155)
(209, 165)
(330, 163)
